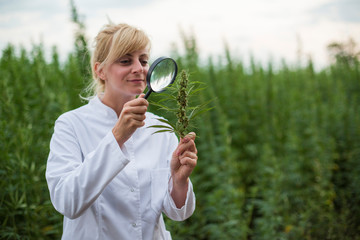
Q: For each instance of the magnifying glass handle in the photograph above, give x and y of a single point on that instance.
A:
(148, 94)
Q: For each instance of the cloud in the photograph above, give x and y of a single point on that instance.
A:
(43, 8)
(266, 29)
(27, 23)
(339, 10)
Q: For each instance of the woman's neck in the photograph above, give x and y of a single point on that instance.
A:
(116, 103)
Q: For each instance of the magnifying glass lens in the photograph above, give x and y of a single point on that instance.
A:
(162, 75)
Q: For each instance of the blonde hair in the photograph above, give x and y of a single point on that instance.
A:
(113, 42)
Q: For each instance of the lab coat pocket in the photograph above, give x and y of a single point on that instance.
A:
(159, 186)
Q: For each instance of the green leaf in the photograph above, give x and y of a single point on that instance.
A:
(192, 112)
(163, 107)
(200, 112)
(167, 122)
(159, 126)
(164, 130)
(196, 90)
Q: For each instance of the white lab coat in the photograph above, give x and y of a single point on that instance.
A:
(108, 192)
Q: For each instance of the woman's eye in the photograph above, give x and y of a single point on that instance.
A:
(144, 62)
(123, 61)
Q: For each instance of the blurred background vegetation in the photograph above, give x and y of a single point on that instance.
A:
(279, 154)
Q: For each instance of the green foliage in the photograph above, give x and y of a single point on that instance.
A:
(344, 53)
(33, 93)
(279, 154)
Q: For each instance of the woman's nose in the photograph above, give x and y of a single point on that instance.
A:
(138, 67)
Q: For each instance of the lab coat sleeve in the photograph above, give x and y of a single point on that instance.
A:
(179, 214)
(75, 181)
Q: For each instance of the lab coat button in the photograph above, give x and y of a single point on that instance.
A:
(134, 224)
(132, 190)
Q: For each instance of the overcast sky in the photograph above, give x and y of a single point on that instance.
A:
(267, 29)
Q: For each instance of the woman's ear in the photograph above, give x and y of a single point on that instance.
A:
(99, 71)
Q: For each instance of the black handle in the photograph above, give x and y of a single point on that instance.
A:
(148, 93)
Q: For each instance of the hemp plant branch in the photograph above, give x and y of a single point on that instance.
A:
(180, 93)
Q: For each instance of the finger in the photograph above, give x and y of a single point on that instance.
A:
(141, 95)
(138, 117)
(140, 102)
(137, 109)
(191, 146)
(137, 102)
(142, 99)
(127, 116)
(191, 135)
(189, 162)
(136, 123)
(188, 137)
(188, 154)
(186, 146)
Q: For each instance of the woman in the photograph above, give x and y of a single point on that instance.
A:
(107, 173)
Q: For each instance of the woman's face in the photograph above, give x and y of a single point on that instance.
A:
(127, 75)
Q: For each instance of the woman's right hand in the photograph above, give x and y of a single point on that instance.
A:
(131, 117)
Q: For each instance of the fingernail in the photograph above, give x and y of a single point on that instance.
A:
(192, 135)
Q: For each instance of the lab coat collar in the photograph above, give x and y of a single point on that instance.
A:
(100, 106)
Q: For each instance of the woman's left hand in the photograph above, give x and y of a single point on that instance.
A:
(184, 160)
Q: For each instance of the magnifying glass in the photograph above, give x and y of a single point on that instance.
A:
(161, 74)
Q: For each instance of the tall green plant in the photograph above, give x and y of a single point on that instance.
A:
(82, 55)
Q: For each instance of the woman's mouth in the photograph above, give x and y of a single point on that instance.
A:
(136, 80)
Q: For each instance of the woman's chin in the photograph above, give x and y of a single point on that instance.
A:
(138, 92)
